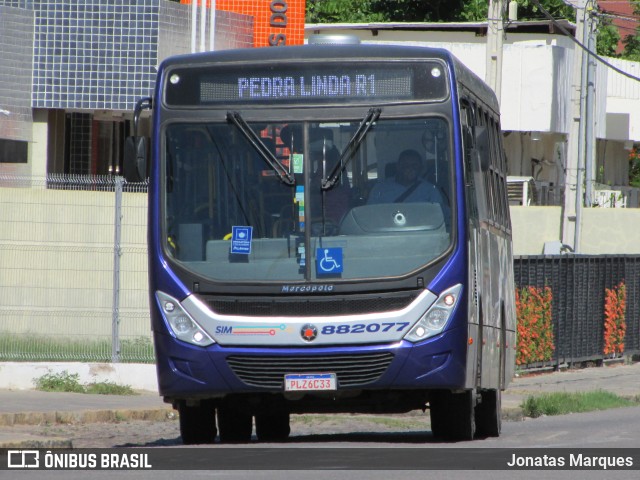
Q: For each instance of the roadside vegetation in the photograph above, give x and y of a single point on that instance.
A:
(69, 382)
(40, 348)
(562, 403)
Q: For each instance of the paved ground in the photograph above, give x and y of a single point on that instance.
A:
(22, 408)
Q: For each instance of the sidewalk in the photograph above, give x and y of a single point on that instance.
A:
(623, 380)
(31, 407)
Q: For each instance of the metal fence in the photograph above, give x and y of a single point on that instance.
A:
(73, 270)
(578, 284)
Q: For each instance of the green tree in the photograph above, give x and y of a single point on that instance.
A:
(332, 11)
(366, 11)
(632, 42)
(607, 41)
(631, 48)
(477, 10)
(528, 10)
(341, 11)
(420, 10)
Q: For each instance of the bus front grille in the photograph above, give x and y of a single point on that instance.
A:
(295, 307)
(269, 371)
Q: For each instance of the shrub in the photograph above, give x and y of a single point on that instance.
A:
(615, 303)
(535, 329)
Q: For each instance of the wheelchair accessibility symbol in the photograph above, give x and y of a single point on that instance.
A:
(329, 261)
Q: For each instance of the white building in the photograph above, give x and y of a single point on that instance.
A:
(536, 111)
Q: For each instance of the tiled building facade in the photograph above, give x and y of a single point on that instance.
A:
(70, 73)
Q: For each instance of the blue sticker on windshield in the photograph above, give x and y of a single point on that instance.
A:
(241, 240)
(329, 261)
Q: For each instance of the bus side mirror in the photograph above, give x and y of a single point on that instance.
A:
(135, 159)
(482, 147)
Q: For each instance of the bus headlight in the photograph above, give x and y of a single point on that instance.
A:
(181, 324)
(436, 318)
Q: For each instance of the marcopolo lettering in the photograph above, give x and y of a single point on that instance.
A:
(278, 19)
(306, 288)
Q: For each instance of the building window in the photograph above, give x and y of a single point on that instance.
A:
(13, 151)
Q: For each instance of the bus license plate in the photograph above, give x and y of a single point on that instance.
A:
(310, 382)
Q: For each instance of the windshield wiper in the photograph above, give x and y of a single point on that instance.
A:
(261, 148)
(367, 122)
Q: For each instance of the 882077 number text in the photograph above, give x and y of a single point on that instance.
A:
(347, 329)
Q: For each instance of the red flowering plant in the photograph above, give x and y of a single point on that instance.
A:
(615, 303)
(634, 166)
(535, 328)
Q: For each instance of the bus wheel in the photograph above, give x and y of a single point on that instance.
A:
(438, 413)
(197, 423)
(235, 425)
(453, 415)
(489, 413)
(273, 427)
(462, 407)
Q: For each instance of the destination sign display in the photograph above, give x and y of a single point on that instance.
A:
(303, 83)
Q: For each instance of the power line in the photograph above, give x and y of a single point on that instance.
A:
(630, 29)
(618, 16)
(586, 49)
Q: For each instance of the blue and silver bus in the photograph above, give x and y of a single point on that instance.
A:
(328, 232)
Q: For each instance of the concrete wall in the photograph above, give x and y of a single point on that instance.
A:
(535, 86)
(533, 226)
(623, 96)
(610, 231)
(57, 262)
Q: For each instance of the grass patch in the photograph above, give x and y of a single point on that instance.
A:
(69, 382)
(59, 382)
(561, 403)
(108, 388)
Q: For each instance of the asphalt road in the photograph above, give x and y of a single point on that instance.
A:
(382, 439)
(608, 431)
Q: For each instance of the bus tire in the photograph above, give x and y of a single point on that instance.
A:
(489, 414)
(462, 408)
(197, 423)
(453, 415)
(235, 424)
(438, 413)
(273, 427)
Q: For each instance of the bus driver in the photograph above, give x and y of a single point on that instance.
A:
(407, 185)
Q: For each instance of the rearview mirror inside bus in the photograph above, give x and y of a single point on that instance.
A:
(135, 159)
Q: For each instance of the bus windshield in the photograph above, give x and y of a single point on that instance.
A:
(307, 201)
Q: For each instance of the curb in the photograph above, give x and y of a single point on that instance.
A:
(19, 440)
(34, 442)
(87, 416)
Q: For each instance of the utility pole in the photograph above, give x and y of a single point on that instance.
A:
(573, 193)
(590, 102)
(495, 41)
